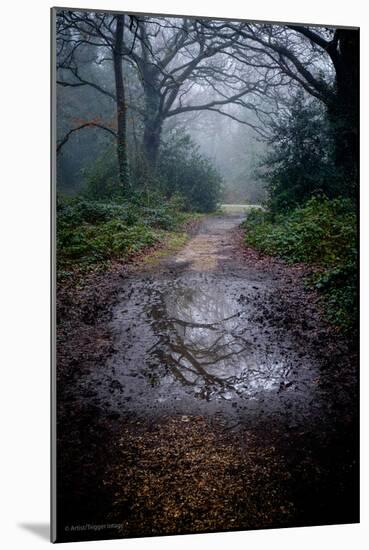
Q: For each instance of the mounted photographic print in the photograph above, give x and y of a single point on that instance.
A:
(205, 274)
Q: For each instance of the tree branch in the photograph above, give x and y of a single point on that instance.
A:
(84, 125)
(84, 82)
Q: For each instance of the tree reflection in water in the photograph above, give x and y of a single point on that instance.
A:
(204, 345)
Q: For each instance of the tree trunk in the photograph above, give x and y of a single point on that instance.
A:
(121, 105)
(153, 121)
(151, 141)
(344, 110)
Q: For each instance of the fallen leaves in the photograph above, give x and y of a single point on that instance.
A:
(180, 476)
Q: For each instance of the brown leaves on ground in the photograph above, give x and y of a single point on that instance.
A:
(180, 476)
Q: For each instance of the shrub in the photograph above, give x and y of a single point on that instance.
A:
(183, 171)
(322, 231)
(92, 232)
(88, 244)
(76, 210)
(101, 180)
(300, 162)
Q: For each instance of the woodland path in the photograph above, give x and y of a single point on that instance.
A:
(225, 401)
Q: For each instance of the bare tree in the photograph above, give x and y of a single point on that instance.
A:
(182, 60)
(77, 30)
(177, 61)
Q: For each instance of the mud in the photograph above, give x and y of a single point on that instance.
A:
(208, 394)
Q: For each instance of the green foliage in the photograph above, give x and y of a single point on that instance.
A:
(77, 210)
(94, 232)
(322, 233)
(101, 180)
(183, 171)
(300, 163)
(182, 175)
(339, 285)
(89, 244)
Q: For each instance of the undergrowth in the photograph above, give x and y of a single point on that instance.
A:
(322, 233)
(90, 234)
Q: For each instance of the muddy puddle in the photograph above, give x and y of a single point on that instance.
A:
(199, 343)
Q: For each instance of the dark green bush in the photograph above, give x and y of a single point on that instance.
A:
(322, 231)
(101, 180)
(183, 171)
(76, 210)
(300, 162)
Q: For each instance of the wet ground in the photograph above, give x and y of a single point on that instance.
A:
(208, 394)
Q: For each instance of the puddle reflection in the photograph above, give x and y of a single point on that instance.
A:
(206, 342)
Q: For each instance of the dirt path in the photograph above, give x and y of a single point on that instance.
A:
(211, 246)
(221, 401)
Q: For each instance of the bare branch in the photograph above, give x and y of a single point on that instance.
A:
(84, 125)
